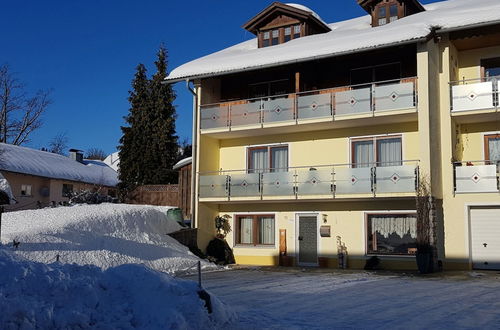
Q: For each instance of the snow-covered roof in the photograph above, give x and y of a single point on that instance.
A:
(183, 162)
(113, 160)
(349, 36)
(46, 164)
(304, 8)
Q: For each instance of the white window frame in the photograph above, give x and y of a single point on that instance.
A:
(27, 189)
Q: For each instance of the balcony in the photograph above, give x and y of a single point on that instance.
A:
(475, 177)
(313, 182)
(327, 105)
(474, 97)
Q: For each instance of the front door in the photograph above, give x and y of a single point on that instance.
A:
(307, 239)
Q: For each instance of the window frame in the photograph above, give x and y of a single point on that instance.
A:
(387, 5)
(486, 146)
(281, 34)
(66, 193)
(24, 188)
(269, 147)
(255, 228)
(368, 232)
(374, 140)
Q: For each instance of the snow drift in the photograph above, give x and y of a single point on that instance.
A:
(105, 235)
(58, 296)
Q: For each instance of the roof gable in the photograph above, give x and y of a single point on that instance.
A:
(368, 5)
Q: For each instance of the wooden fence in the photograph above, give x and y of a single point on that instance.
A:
(164, 195)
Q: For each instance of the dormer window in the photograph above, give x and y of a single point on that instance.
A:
(386, 11)
(280, 23)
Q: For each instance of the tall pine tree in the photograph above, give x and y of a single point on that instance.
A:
(149, 147)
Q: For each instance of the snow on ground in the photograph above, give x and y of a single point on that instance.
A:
(104, 235)
(357, 300)
(57, 296)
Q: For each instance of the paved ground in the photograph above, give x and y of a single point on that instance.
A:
(312, 299)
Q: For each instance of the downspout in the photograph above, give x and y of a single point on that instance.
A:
(194, 153)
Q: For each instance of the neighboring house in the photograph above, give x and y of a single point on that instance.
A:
(113, 160)
(315, 132)
(185, 197)
(40, 178)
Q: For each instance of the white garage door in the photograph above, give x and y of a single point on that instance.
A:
(485, 237)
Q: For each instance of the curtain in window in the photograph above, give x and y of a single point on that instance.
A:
(246, 230)
(258, 160)
(389, 152)
(399, 225)
(363, 153)
(279, 159)
(494, 149)
(266, 230)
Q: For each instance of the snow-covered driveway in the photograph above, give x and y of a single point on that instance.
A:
(312, 300)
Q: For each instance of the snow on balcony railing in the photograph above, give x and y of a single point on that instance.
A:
(476, 176)
(326, 181)
(317, 104)
(474, 94)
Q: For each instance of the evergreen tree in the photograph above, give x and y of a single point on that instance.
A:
(149, 147)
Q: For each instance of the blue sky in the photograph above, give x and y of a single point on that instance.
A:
(87, 51)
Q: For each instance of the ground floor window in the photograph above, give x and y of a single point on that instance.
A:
(25, 190)
(254, 229)
(391, 233)
(67, 190)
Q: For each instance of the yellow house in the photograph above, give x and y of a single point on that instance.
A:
(40, 178)
(314, 137)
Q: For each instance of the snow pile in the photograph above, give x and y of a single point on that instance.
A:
(346, 37)
(57, 296)
(105, 235)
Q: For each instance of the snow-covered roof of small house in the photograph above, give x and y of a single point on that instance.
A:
(182, 163)
(113, 160)
(304, 8)
(46, 164)
(354, 35)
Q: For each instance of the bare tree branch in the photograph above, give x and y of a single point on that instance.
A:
(96, 154)
(59, 143)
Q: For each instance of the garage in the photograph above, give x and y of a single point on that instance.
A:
(485, 237)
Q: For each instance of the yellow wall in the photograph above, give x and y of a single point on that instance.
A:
(470, 61)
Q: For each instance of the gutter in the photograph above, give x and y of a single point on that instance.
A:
(472, 26)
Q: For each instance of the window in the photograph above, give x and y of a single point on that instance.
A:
(288, 33)
(255, 229)
(266, 37)
(268, 159)
(376, 151)
(386, 13)
(491, 68)
(296, 31)
(275, 37)
(25, 190)
(393, 13)
(67, 190)
(391, 234)
(382, 20)
(379, 73)
(492, 148)
(269, 88)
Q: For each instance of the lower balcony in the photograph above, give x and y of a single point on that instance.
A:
(476, 177)
(312, 183)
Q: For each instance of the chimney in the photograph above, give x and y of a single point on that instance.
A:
(76, 155)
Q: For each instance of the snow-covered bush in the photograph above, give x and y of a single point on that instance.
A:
(89, 197)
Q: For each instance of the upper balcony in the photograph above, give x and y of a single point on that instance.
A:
(476, 177)
(344, 181)
(475, 100)
(317, 109)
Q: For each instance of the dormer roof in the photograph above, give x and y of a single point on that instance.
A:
(368, 5)
(299, 12)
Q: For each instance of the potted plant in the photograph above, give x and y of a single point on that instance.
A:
(218, 249)
(425, 223)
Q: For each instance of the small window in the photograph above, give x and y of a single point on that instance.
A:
(266, 39)
(255, 230)
(296, 31)
(67, 190)
(492, 148)
(393, 13)
(268, 159)
(386, 151)
(276, 37)
(25, 190)
(288, 33)
(391, 234)
(382, 20)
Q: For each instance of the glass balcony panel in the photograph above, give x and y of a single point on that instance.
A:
(278, 184)
(280, 109)
(213, 186)
(214, 116)
(480, 178)
(245, 185)
(394, 96)
(472, 96)
(314, 182)
(352, 102)
(396, 179)
(314, 106)
(353, 180)
(246, 113)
